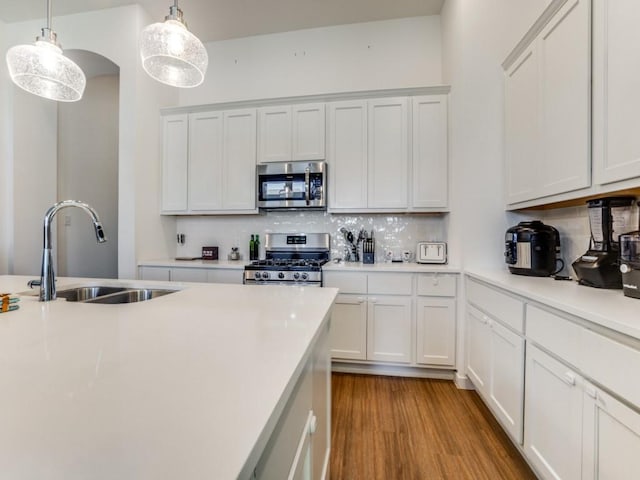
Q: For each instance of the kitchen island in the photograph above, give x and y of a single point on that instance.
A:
(189, 385)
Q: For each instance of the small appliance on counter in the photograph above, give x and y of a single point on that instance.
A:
(209, 253)
(609, 217)
(431, 252)
(630, 263)
(531, 248)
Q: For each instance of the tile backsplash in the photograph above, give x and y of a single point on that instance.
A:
(573, 225)
(395, 232)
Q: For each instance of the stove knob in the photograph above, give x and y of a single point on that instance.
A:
(281, 275)
(296, 276)
(265, 275)
(624, 268)
(257, 275)
(304, 276)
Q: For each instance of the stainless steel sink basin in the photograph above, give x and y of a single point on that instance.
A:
(111, 295)
(131, 296)
(81, 294)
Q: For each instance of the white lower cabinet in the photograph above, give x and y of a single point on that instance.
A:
(389, 331)
(187, 274)
(553, 417)
(400, 318)
(611, 437)
(349, 327)
(495, 365)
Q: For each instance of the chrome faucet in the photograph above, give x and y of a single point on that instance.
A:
(47, 275)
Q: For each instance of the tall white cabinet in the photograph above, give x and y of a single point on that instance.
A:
(616, 98)
(175, 161)
(548, 106)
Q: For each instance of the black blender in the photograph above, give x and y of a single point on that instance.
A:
(609, 217)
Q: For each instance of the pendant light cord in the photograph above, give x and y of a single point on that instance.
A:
(48, 14)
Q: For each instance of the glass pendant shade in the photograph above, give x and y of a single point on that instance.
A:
(43, 70)
(173, 55)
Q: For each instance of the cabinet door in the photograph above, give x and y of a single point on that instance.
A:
(553, 417)
(611, 437)
(522, 126)
(565, 124)
(347, 156)
(308, 131)
(239, 168)
(155, 273)
(478, 348)
(429, 156)
(388, 154)
(616, 97)
(188, 275)
(218, 275)
(436, 331)
(205, 161)
(506, 385)
(389, 329)
(274, 134)
(349, 328)
(174, 163)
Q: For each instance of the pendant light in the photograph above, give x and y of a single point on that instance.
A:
(171, 54)
(43, 70)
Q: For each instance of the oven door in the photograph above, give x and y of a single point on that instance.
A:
(291, 185)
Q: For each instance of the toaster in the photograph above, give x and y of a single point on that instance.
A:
(431, 252)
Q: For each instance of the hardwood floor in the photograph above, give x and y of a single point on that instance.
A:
(393, 428)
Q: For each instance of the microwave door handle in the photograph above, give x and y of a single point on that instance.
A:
(307, 184)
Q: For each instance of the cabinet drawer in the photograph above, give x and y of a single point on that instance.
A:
(500, 306)
(558, 335)
(612, 364)
(391, 283)
(436, 285)
(346, 282)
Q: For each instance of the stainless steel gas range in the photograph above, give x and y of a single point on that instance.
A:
(291, 259)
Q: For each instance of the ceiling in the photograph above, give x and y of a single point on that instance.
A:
(214, 20)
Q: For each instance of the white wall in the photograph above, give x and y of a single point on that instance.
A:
(112, 33)
(365, 56)
(89, 143)
(477, 36)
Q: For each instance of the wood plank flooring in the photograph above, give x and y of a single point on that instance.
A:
(393, 428)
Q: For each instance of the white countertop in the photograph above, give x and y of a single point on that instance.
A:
(180, 386)
(608, 308)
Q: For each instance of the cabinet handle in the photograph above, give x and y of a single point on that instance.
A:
(360, 300)
(591, 391)
(569, 378)
(374, 300)
(484, 319)
(313, 424)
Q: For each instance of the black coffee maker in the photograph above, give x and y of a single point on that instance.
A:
(609, 217)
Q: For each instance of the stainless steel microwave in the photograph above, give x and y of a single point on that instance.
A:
(292, 185)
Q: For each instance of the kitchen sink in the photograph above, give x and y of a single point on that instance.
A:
(82, 294)
(111, 295)
(131, 296)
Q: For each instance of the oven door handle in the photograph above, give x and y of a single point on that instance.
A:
(307, 184)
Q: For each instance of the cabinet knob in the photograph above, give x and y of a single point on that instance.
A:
(591, 391)
(360, 299)
(374, 300)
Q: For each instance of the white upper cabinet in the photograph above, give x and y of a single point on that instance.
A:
(239, 167)
(347, 154)
(388, 153)
(430, 166)
(616, 97)
(205, 161)
(209, 162)
(175, 140)
(291, 132)
(547, 107)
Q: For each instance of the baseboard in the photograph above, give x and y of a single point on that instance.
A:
(463, 382)
(392, 370)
